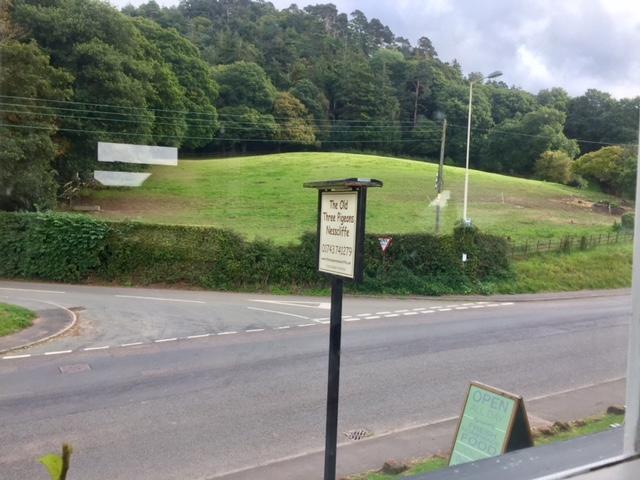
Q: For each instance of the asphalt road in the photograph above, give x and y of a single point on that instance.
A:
(139, 399)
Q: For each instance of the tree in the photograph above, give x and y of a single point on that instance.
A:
(613, 168)
(244, 83)
(121, 83)
(515, 144)
(243, 126)
(198, 89)
(509, 102)
(294, 122)
(554, 166)
(425, 49)
(28, 143)
(588, 118)
(555, 97)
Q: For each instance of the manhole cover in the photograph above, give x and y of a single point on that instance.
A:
(358, 434)
(77, 368)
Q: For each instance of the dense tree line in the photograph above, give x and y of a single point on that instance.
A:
(241, 75)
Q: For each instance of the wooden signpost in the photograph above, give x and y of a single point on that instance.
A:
(341, 220)
(493, 422)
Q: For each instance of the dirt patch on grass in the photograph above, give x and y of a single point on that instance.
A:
(144, 208)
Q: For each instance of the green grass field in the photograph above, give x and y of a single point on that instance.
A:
(13, 319)
(263, 197)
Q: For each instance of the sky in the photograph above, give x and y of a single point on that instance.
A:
(573, 44)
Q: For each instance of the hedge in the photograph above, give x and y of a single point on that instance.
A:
(74, 248)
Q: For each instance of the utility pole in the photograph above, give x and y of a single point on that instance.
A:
(415, 104)
(440, 179)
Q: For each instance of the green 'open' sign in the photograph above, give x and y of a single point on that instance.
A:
(492, 422)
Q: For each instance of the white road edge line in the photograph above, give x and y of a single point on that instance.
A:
(59, 352)
(29, 290)
(306, 325)
(382, 313)
(130, 344)
(89, 349)
(162, 340)
(282, 327)
(10, 357)
(281, 313)
(160, 299)
(352, 319)
(373, 317)
(393, 315)
(411, 313)
(203, 335)
(227, 333)
(252, 330)
(444, 309)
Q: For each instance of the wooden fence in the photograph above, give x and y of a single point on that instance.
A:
(567, 244)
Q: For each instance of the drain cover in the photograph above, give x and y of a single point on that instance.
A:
(358, 434)
(77, 368)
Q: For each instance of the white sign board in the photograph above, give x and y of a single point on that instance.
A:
(120, 179)
(338, 212)
(144, 154)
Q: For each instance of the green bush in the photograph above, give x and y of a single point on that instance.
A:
(73, 248)
(554, 166)
(627, 220)
(57, 247)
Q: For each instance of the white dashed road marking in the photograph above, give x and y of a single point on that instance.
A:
(281, 313)
(161, 299)
(318, 322)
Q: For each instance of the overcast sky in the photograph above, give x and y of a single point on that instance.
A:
(574, 44)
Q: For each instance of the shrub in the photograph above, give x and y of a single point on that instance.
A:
(554, 166)
(627, 220)
(58, 247)
(613, 168)
(73, 248)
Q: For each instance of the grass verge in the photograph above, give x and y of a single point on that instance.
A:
(601, 268)
(560, 432)
(14, 319)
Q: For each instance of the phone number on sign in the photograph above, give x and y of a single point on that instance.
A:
(336, 249)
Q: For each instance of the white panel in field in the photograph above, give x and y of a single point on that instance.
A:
(128, 153)
(120, 179)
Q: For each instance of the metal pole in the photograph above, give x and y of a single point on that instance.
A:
(466, 168)
(334, 379)
(632, 413)
(440, 182)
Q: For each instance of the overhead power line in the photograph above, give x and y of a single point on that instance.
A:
(327, 126)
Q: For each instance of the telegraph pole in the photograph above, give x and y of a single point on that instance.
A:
(440, 179)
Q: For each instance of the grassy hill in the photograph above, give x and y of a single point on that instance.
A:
(263, 197)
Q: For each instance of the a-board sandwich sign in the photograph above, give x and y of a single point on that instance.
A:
(493, 422)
